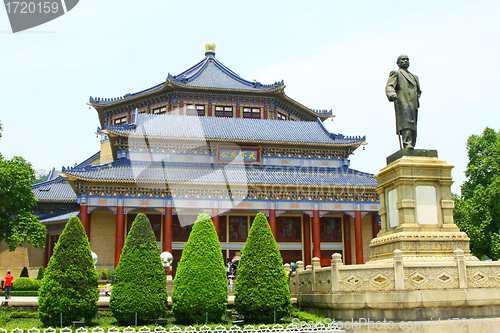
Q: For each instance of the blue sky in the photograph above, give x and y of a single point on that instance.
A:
(331, 54)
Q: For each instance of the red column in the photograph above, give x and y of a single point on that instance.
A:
(83, 217)
(347, 239)
(272, 221)
(120, 225)
(316, 235)
(358, 237)
(167, 230)
(47, 250)
(215, 219)
(375, 226)
(89, 224)
(307, 239)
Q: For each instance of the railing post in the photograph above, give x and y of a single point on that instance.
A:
(336, 263)
(300, 269)
(315, 265)
(461, 267)
(399, 279)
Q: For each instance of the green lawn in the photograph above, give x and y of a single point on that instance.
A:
(29, 319)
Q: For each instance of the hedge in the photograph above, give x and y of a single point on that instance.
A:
(200, 285)
(20, 293)
(140, 283)
(261, 288)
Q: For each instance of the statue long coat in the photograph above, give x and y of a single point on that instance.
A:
(407, 87)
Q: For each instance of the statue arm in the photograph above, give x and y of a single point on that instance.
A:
(419, 92)
(390, 88)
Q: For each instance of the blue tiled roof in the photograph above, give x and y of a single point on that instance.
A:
(208, 73)
(211, 73)
(220, 175)
(62, 217)
(234, 129)
(57, 189)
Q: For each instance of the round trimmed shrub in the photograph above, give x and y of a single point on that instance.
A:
(200, 285)
(261, 287)
(140, 284)
(25, 284)
(69, 285)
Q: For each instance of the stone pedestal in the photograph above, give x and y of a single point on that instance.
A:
(416, 209)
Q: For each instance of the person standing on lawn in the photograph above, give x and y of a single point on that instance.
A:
(8, 283)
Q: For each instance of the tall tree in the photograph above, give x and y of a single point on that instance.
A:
(140, 285)
(17, 224)
(69, 285)
(200, 285)
(477, 211)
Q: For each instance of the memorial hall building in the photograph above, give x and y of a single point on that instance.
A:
(209, 140)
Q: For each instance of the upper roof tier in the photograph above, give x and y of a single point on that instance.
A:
(238, 130)
(210, 74)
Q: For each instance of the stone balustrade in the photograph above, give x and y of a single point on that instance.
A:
(396, 275)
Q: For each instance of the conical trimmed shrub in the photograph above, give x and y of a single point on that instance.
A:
(261, 287)
(24, 272)
(39, 275)
(69, 285)
(140, 283)
(200, 285)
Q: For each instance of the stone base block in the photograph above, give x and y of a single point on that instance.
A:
(407, 304)
(420, 246)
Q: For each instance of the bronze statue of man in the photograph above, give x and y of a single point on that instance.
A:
(403, 89)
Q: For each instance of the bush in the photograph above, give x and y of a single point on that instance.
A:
(261, 282)
(24, 273)
(200, 284)
(25, 284)
(39, 275)
(69, 285)
(140, 283)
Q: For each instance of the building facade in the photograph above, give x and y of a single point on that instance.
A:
(208, 140)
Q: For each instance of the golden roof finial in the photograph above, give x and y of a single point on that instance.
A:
(210, 46)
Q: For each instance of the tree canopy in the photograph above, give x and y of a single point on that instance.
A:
(477, 211)
(17, 224)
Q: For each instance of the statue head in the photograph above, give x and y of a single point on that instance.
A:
(403, 61)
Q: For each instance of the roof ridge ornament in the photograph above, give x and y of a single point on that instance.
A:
(210, 49)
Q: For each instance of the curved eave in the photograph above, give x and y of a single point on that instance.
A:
(134, 97)
(170, 84)
(303, 107)
(307, 144)
(57, 201)
(124, 181)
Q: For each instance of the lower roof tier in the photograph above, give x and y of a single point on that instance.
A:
(221, 174)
